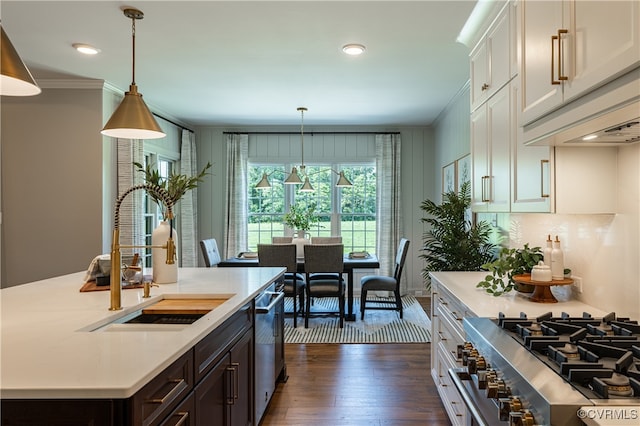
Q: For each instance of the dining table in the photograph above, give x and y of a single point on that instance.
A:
(350, 264)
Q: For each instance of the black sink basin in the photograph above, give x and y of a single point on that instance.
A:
(145, 318)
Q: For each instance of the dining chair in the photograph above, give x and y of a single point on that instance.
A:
(294, 286)
(210, 252)
(385, 283)
(323, 267)
(326, 240)
(281, 240)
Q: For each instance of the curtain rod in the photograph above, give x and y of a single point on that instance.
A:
(173, 122)
(311, 133)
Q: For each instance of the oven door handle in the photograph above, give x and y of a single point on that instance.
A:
(468, 400)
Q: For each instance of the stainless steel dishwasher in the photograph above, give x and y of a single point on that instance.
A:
(269, 320)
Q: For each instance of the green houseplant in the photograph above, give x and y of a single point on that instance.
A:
(300, 219)
(176, 185)
(510, 262)
(452, 242)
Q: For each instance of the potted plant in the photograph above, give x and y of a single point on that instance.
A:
(510, 262)
(176, 185)
(300, 219)
(452, 242)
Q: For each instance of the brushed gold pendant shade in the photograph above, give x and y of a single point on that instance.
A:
(133, 119)
(16, 79)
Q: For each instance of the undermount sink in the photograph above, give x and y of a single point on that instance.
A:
(168, 314)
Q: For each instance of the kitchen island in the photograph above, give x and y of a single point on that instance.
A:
(54, 346)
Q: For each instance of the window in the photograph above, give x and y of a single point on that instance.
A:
(152, 212)
(349, 212)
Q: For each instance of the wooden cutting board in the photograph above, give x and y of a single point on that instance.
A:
(184, 306)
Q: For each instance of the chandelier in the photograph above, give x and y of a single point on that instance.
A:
(294, 177)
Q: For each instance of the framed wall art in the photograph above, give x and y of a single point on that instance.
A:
(449, 176)
(463, 171)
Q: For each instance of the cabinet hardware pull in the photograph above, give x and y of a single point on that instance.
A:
(179, 385)
(442, 302)
(184, 416)
(560, 57)
(486, 189)
(484, 87)
(544, 164)
(236, 383)
(276, 329)
(553, 80)
(231, 373)
(441, 337)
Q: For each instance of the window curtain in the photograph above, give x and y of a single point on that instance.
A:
(131, 220)
(389, 218)
(188, 206)
(235, 237)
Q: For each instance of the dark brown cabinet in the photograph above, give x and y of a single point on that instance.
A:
(224, 396)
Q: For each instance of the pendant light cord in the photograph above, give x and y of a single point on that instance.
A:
(302, 136)
(133, 42)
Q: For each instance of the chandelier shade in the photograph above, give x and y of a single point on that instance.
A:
(16, 78)
(294, 178)
(133, 119)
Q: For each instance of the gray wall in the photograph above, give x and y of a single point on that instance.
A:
(51, 183)
(417, 183)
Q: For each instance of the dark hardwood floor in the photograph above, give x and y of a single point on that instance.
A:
(367, 384)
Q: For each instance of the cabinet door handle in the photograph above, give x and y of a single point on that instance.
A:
(484, 87)
(184, 416)
(553, 58)
(544, 171)
(231, 374)
(179, 385)
(441, 337)
(236, 376)
(560, 57)
(486, 189)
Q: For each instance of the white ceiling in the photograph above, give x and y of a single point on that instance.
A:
(254, 62)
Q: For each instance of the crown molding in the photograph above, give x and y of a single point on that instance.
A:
(70, 83)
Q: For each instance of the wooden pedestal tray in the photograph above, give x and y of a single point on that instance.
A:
(542, 292)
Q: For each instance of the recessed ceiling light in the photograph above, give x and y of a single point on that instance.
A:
(590, 137)
(86, 49)
(353, 49)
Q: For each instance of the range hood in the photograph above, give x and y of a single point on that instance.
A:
(618, 127)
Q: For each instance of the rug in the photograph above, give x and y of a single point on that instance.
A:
(378, 326)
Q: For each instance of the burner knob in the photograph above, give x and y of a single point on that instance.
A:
(472, 365)
(481, 363)
(495, 389)
(507, 405)
(482, 379)
(521, 418)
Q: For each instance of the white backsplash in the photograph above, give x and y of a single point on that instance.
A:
(604, 250)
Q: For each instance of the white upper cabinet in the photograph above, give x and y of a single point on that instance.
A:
(532, 168)
(571, 47)
(493, 61)
(491, 133)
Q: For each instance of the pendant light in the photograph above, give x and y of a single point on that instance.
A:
(16, 79)
(132, 119)
(294, 177)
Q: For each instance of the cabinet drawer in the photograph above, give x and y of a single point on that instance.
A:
(448, 336)
(451, 399)
(184, 414)
(213, 347)
(151, 404)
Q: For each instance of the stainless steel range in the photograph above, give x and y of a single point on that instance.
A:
(550, 370)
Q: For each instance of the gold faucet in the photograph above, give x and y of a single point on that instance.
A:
(116, 256)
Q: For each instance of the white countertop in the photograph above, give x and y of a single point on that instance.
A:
(463, 287)
(48, 351)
